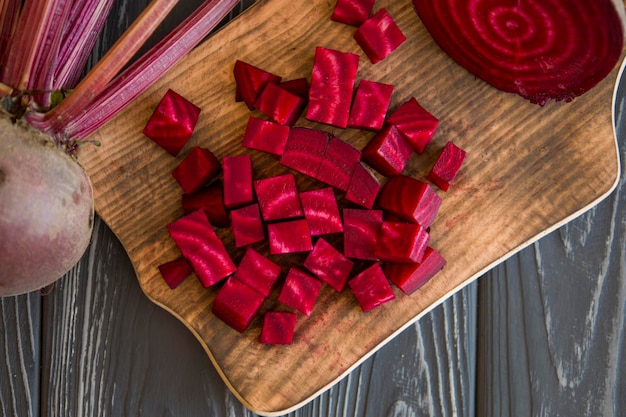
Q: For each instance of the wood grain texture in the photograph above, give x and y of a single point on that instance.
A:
(528, 170)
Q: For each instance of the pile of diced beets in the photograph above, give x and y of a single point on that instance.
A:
(384, 225)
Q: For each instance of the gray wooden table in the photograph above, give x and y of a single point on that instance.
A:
(543, 334)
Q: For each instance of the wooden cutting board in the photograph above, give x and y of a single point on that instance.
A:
(528, 170)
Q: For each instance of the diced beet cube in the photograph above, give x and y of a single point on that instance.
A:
(363, 188)
(258, 271)
(297, 86)
(280, 105)
(247, 225)
(289, 237)
(388, 152)
(196, 169)
(300, 290)
(379, 36)
(321, 211)
(278, 197)
(401, 242)
(328, 264)
(332, 84)
(278, 327)
(447, 166)
(250, 81)
(410, 199)
(338, 164)
(370, 105)
(409, 277)
(236, 304)
(210, 199)
(174, 272)
(352, 12)
(172, 122)
(204, 250)
(360, 228)
(415, 123)
(237, 171)
(371, 288)
(305, 150)
(265, 136)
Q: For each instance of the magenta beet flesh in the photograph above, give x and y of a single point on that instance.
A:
(447, 166)
(411, 276)
(352, 12)
(250, 81)
(236, 304)
(370, 105)
(415, 123)
(289, 237)
(371, 288)
(379, 36)
(257, 271)
(300, 290)
(338, 164)
(410, 199)
(265, 136)
(280, 105)
(401, 242)
(211, 200)
(278, 197)
(328, 264)
(247, 225)
(321, 211)
(305, 150)
(278, 327)
(361, 232)
(196, 170)
(174, 272)
(363, 188)
(388, 152)
(237, 171)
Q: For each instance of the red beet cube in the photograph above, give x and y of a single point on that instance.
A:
(258, 271)
(297, 86)
(332, 84)
(247, 225)
(278, 327)
(447, 166)
(174, 272)
(250, 81)
(370, 104)
(388, 152)
(204, 250)
(289, 237)
(265, 136)
(321, 211)
(236, 304)
(305, 150)
(410, 199)
(210, 199)
(197, 169)
(237, 171)
(411, 276)
(363, 188)
(300, 290)
(379, 36)
(278, 197)
(172, 122)
(328, 264)
(338, 164)
(371, 288)
(415, 123)
(360, 228)
(352, 12)
(280, 105)
(401, 242)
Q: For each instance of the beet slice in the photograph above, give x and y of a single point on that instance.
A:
(202, 248)
(338, 164)
(300, 290)
(279, 104)
(328, 264)
(305, 150)
(278, 197)
(237, 173)
(388, 151)
(415, 123)
(211, 200)
(297, 86)
(250, 81)
(371, 288)
(447, 166)
(379, 36)
(278, 327)
(361, 232)
(370, 105)
(173, 121)
(289, 237)
(321, 211)
(409, 277)
(236, 304)
(196, 169)
(257, 271)
(265, 136)
(401, 242)
(542, 51)
(247, 225)
(410, 199)
(174, 272)
(363, 188)
(332, 84)
(352, 12)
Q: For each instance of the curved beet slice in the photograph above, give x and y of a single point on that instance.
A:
(541, 50)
